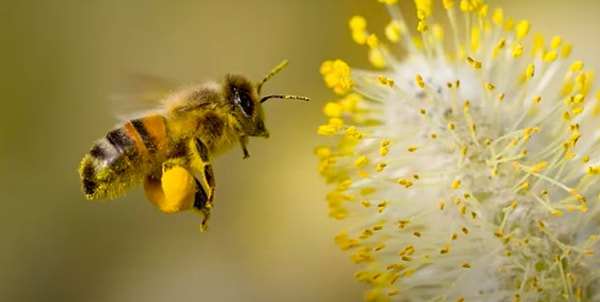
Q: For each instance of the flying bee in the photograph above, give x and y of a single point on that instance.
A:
(165, 149)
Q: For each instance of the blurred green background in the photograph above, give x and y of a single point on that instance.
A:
(270, 237)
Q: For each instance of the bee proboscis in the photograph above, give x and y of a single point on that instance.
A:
(164, 150)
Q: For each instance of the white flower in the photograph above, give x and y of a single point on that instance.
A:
(468, 170)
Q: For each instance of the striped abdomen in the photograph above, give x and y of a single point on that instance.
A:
(123, 157)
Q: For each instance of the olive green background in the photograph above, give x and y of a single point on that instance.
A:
(270, 237)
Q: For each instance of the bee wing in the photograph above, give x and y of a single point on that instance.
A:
(139, 95)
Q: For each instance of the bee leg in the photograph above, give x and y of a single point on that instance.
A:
(244, 143)
(201, 204)
(174, 191)
(205, 187)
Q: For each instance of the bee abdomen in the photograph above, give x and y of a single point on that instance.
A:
(109, 168)
(123, 157)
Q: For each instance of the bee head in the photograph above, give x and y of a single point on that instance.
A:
(247, 109)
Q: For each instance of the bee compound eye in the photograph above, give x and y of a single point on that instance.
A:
(246, 103)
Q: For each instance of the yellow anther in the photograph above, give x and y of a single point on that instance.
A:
(412, 148)
(381, 206)
(578, 98)
(402, 223)
(576, 66)
(455, 184)
(509, 24)
(566, 50)
(422, 26)
(372, 41)
(361, 161)
(392, 31)
(489, 86)
(350, 102)
(362, 174)
(384, 147)
(446, 249)
(541, 225)
(498, 16)
(550, 56)
(393, 279)
(358, 26)
(332, 109)
(344, 185)
(538, 44)
(359, 36)
(326, 130)
(522, 29)
(419, 80)
(379, 247)
(476, 64)
(367, 191)
(323, 152)
(385, 81)
(537, 98)
(555, 42)
(352, 132)
(466, 6)
(337, 76)
(380, 167)
(357, 23)
(438, 32)
(530, 70)
(517, 50)
(424, 8)
(475, 38)
(376, 58)
(500, 44)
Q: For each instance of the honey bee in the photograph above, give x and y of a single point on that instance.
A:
(167, 147)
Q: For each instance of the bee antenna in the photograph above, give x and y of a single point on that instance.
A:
(273, 72)
(284, 96)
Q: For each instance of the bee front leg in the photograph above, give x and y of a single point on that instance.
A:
(205, 187)
(174, 191)
(244, 143)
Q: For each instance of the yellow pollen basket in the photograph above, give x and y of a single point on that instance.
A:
(178, 184)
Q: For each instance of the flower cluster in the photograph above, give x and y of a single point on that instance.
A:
(467, 170)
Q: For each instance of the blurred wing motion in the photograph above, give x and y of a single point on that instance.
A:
(140, 94)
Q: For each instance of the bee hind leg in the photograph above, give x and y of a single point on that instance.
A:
(202, 204)
(205, 187)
